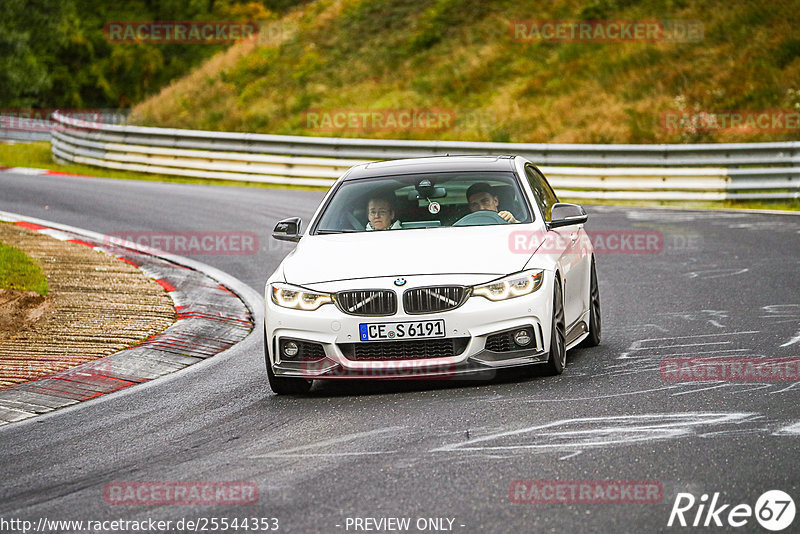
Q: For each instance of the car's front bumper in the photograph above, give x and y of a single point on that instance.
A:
(472, 324)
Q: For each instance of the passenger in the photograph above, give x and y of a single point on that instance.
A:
(382, 213)
(481, 197)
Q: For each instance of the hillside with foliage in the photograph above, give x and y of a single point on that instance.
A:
(456, 57)
(53, 53)
(460, 56)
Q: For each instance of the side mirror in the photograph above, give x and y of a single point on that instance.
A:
(288, 230)
(564, 214)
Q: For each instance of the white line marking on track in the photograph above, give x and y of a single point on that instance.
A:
(715, 334)
(702, 352)
(717, 386)
(601, 431)
(792, 341)
(639, 343)
(791, 430)
(753, 388)
(715, 273)
(321, 454)
(787, 388)
(626, 393)
(332, 441)
(686, 345)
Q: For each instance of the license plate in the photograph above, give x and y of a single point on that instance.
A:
(405, 330)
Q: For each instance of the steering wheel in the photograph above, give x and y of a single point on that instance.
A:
(480, 218)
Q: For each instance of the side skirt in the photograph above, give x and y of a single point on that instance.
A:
(578, 331)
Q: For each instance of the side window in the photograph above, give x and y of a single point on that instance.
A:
(545, 197)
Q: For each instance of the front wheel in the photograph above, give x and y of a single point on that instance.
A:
(282, 385)
(558, 336)
(595, 324)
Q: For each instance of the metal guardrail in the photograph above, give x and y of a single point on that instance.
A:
(578, 171)
(28, 125)
(12, 129)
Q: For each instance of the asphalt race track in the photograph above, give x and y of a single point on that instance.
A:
(721, 285)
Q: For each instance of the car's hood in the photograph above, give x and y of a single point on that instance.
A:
(468, 250)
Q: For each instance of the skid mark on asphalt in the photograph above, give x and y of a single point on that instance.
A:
(784, 313)
(696, 352)
(709, 274)
(793, 340)
(598, 432)
(644, 348)
(566, 437)
(707, 388)
(648, 326)
(645, 355)
(790, 430)
(301, 451)
(596, 397)
(784, 390)
(712, 317)
(740, 387)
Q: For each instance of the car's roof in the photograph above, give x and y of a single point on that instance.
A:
(431, 164)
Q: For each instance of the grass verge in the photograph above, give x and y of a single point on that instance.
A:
(38, 155)
(19, 271)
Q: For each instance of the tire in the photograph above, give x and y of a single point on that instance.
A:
(557, 359)
(595, 322)
(282, 385)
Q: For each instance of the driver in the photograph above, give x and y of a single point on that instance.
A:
(481, 197)
(381, 212)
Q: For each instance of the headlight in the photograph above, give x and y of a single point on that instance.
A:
(297, 298)
(512, 286)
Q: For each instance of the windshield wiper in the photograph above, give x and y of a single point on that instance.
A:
(343, 231)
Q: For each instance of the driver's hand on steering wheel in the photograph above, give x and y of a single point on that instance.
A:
(507, 216)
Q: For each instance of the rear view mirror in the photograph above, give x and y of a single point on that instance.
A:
(426, 189)
(288, 230)
(564, 214)
(428, 192)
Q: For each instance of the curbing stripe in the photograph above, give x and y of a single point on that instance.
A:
(81, 242)
(169, 288)
(126, 260)
(31, 226)
(211, 317)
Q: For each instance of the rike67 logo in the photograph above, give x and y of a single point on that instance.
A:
(774, 510)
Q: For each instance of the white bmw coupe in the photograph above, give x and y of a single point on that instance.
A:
(434, 267)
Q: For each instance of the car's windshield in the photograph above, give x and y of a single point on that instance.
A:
(432, 200)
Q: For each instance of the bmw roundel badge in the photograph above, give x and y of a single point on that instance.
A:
(400, 282)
